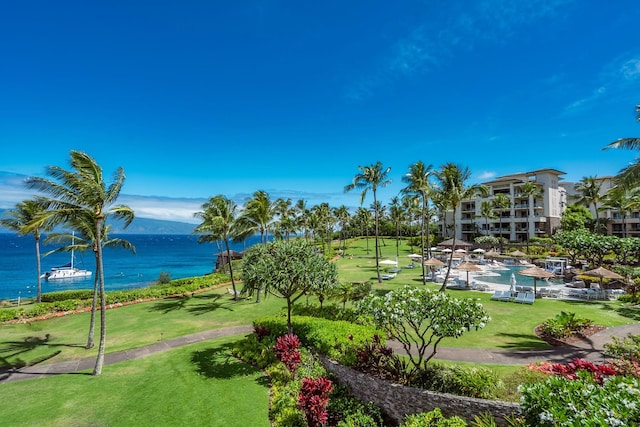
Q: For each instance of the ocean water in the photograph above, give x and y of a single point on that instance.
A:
(180, 255)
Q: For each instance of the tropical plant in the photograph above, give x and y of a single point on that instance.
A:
(623, 201)
(589, 188)
(530, 190)
(418, 183)
(371, 178)
(501, 202)
(285, 226)
(83, 189)
(420, 318)
(29, 217)
(575, 217)
(341, 214)
(257, 215)
(396, 216)
(487, 212)
(220, 222)
(287, 270)
(453, 190)
(628, 177)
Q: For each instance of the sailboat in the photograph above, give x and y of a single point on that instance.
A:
(67, 271)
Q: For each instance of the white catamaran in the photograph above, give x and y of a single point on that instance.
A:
(67, 271)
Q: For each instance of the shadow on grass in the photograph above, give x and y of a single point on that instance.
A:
(170, 304)
(630, 312)
(218, 362)
(212, 303)
(524, 342)
(196, 304)
(11, 350)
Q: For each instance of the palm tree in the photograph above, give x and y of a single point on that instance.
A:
(370, 178)
(530, 190)
(342, 215)
(621, 200)
(79, 190)
(302, 217)
(589, 188)
(396, 216)
(628, 177)
(363, 217)
(257, 215)
(411, 207)
(325, 223)
(82, 239)
(219, 217)
(501, 202)
(29, 217)
(487, 212)
(418, 183)
(285, 212)
(454, 190)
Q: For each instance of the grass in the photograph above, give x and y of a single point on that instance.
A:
(196, 385)
(63, 338)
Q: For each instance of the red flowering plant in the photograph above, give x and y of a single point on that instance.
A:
(286, 349)
(313, 400)
(570, 370)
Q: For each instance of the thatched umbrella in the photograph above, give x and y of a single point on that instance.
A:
(467, 266)
(537, 273)
(433, 262)
(491, 253)
(602, 273)
(459, 243)
(518, 253)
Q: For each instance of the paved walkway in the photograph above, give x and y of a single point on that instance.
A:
(590, 349)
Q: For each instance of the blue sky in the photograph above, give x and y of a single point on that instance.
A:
(198, 98)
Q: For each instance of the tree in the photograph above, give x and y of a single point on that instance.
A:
(370, 178)
(589, 188)
(420, 318)
(287, 270)
(257, 215)
(219, 217)
(575, 217)
(629, 176)
(487, 212)
(396, 216)
(79, 190)
(341, 214)
(82, 239)
(530, 190)
(29, 217)
(624, 202)
(286, 223)
(500, 203)
(453, 190)
(418, 183)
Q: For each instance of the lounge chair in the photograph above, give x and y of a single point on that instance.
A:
(525, 298)
(501, 296)
(388, 276)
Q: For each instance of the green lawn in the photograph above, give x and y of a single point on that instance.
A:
(197, 385)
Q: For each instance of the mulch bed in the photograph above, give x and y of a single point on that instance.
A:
(571, 339)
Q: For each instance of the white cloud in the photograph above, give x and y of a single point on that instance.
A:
(485, 175)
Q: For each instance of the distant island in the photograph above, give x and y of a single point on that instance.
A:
(140, 226)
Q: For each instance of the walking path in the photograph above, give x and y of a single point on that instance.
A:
(590, 349)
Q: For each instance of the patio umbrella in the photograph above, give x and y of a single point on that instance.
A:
(460, 251)
(459, 243)
(414, 256)
(434, 262)
(467, 266)
(602, 273)
(388, 262)
(537, 273)
(518, 254)
(448, 251)
(478, 251)
(491, 253)
(513, 282)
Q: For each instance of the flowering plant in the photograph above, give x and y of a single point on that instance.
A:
(313, 400)
(286, 351)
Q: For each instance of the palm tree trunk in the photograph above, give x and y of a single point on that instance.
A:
(97, 370)
(424, 273)
(233, 283)
(375, 216)
(94, 301)
(39, 268)
(453, 248)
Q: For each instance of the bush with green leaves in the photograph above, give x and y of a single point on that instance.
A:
(337, 340)
(433, 418)
(564, 325)
(419, 318)
(460, 380)
(562, 402)
(624, 348)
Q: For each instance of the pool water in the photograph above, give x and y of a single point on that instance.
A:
(504, 277)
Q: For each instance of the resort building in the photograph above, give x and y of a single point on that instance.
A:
(524, 215)
(617, 223)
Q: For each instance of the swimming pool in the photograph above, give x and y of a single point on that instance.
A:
(503, 277)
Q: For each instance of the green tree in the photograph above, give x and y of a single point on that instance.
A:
(396, 216)
(220, 222)
(589, 188)
(530, 190)
(623, 201)
(628, 177)
(287, 270)
(341, 214)
(501, 202)
(258, 215)
(83, 189)
(285, 212)
(29, 217)
(370, 178)
(454, 189)
(575, 217)
(487, 212)
(420, 318)
(417, 180)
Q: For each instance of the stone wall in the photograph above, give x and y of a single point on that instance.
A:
(397, 400)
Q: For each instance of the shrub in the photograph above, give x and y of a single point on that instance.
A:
(347, 411)
(571, 369)
(627, 348)
(432, 419)
(79, 294)
(463, 381)
(564, 325)
(165, 277)
(562, 402)
(286, 350)
(313, 400)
